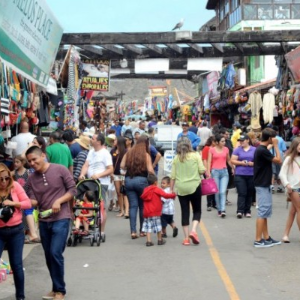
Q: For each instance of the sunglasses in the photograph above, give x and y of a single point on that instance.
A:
(4, 179)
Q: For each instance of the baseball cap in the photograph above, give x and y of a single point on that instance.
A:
(243, 137)
(184, 124)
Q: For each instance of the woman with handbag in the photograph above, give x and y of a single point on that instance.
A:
(217, 169)
(187, 168)
(243, 157)
(136, 164)
(290, 179)
(211, 202)
(117, 154)
(13, 200)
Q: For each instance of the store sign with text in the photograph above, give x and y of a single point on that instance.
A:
(96, 75)
(30, 36)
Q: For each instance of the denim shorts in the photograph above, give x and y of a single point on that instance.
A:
(264, 202)
(28, 211)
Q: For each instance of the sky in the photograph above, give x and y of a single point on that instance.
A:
(129, 16)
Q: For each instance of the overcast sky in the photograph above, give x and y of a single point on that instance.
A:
(130, 15)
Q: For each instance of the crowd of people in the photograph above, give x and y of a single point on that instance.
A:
(124, 160)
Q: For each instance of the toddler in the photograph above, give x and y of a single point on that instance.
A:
(84, 217)
(152, 210)
(168, 210)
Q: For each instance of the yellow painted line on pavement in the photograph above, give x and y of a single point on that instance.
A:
(219, 265)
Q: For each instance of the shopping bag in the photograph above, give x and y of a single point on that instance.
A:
(208, 187)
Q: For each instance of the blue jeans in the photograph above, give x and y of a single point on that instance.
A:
(221, 178)
(134, 189)
(54, 237)
(14, 238)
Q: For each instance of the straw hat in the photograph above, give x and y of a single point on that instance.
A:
(84, 142)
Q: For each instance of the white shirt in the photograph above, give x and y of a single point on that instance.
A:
(168, 204)
(23, 140)
(98, 163)
(290, 174)
(204, 133)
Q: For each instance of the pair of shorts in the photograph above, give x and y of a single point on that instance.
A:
(276, 170)
(104, 189)
(119, 177)
(28, 212)
(166, 219)
(264, 202)
(152, 224)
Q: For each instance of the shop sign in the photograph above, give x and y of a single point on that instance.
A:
(158, 91)
(30, 36)
(52, 87)
(96, 75)
(293, 62)
(212, 82)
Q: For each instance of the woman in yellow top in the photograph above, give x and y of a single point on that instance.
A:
(236, 133)
(186, 170)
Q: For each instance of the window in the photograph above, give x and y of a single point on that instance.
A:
(265, 12)
(282, 12)
(250, 12)
(296, 11)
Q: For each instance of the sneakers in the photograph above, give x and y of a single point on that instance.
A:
(208, 208)
(219, 214)
(59, 296)
(248, 215)
(272, 189)
(239, 215)
(175, 232)
(161, 242)
(49, 296)
(263, 244)
(273, 242)
(280, 190)
(223, 214)
(194, 237)
(186, 242)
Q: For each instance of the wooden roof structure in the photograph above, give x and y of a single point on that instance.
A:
(178, 47)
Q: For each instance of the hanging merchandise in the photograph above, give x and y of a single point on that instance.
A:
(268, 107)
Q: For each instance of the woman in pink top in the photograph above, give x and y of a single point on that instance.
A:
(217, 169)
(12, 199)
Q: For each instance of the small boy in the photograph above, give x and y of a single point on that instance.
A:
(168, 210)
(152, 210)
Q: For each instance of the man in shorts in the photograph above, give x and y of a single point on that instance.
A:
(263, 160)
(99, 166)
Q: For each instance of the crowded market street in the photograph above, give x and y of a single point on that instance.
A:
(224, 266)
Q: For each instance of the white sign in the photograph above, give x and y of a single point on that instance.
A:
(52, 87)
(168, 160)
(168, 133)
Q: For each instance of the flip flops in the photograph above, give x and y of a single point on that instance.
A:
(32, 241)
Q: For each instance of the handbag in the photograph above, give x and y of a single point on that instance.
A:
(208, 187)
(123, 189)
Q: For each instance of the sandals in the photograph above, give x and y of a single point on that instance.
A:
(84, 232)
(134, 236)
(110, 207)
(120, 215)
(149, 244)
(142, 234)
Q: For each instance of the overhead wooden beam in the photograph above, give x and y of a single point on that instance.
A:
(112, 48)
(239, 46)
(261, 47)
(175, 47)
(196, 47)
(154, 48)
(92, 49)
(133, 49)
(170, 37)
(217, 46)
(284, 46)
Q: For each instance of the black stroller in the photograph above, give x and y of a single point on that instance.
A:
(94, 233)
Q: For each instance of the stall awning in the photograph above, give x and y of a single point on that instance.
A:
(259, 86)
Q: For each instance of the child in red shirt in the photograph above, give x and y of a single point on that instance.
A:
(85, 216)
(153, 209)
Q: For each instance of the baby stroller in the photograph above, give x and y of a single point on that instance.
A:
(94, 233)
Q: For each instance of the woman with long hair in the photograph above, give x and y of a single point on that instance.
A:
(217, 169)
(40, 142)
(243, 157)
(137, 164)
(117, 154)
(187, 167)
(211, 202)
(13, 200)
(289, 176)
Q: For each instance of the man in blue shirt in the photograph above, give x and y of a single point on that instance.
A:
(117, 127)
(195, 140)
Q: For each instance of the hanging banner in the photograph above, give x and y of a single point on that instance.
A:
(96, 75)
(212, 82)
(30, 36)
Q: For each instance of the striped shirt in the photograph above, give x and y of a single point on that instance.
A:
(78, 162)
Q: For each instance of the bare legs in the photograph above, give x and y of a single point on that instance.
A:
(120, 198)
